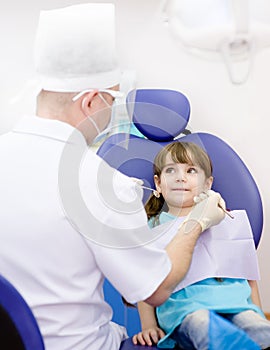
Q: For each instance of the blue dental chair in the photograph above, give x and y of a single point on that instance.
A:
(18, 327)
(162, 116)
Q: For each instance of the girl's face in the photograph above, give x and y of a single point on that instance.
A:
(179, 183)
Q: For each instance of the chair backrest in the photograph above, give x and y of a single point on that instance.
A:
(162, 116)
(19, 328)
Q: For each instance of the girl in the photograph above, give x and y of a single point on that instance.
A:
(182, 171)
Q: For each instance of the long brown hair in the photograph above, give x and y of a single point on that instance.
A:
(181, 152)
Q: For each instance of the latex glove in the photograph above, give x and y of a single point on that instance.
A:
(206, 210)
(204, 195)
(137, 181)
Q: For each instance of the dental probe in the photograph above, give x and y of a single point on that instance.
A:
(219, 205)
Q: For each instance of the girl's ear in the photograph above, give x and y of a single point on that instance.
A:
(209, 182)
(157, 183)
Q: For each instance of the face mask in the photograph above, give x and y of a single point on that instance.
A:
(102, 135)
(117, 95)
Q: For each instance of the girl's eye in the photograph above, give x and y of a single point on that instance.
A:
(192, 170)
(169, 170)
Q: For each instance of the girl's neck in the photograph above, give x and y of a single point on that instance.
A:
(179, 211)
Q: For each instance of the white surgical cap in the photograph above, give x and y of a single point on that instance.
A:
(75, 48)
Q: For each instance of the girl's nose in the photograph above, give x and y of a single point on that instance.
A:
(180, 176)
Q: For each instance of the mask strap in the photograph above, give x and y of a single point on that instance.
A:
(94, 124)
(103, 99)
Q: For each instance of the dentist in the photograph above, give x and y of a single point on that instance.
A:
(68, 220)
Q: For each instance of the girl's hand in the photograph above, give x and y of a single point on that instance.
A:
(148, 336)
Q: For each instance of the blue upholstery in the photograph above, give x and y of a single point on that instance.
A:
(128, 345)
(21, 331)
(157, 115)
(126, 316)
(162, 116)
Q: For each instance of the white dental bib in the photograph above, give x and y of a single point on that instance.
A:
(225, 250)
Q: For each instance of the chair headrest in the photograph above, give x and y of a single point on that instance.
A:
(159, 114)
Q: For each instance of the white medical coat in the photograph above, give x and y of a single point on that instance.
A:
(58, 270)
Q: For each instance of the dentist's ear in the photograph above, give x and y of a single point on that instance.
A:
(87, 102)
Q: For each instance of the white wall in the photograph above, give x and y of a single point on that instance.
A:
(237, 114)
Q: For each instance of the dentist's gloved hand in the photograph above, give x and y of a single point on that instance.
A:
(137, 181)
(206, 210)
